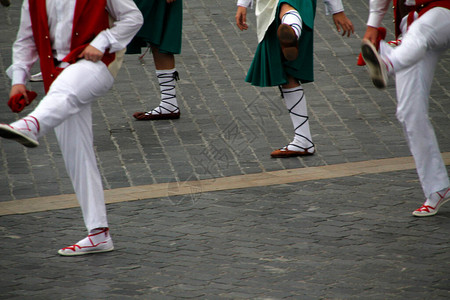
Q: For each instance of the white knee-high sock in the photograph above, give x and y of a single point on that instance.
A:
(296, 105)
(167, 86)
(293, 19)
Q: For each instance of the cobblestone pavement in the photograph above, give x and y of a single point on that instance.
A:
(339, 238)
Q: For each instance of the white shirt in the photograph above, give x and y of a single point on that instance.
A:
(60, 20)
(378, 8)
(266, 9)
(331, 6)
(128, 20)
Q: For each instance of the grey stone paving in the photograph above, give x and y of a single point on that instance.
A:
(346, 238)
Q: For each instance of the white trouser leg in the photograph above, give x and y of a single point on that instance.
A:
(78, 85)
(413, 86)
(430, 31)
(75, 139)
(67, 109)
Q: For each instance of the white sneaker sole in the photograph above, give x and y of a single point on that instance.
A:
(377, 69)
(10, 133)
(36, 77)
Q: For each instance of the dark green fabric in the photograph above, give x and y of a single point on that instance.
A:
(162, 26)
(269, 67)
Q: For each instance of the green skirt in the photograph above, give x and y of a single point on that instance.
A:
(162, 26)
(269, 67)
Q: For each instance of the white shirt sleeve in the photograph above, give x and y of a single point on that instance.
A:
(245, 3)
(333, 6)
(377, 10)
(127, 22)
(24, 50)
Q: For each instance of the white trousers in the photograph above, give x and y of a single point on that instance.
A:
(67, 109)
(414, 63)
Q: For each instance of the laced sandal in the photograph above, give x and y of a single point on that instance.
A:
(428, 210)
(97, 242)
(155, 115)
(288, 41)
(24, 136)
(285, 152)
(166, 110)
(302, 151)
(378, 68)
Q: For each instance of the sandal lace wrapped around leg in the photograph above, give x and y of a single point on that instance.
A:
(302, 144)
(168, 108)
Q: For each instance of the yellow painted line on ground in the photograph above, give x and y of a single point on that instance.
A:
(218, 184)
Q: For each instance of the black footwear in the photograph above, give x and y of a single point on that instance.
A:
(288, 41)
(5, 2)
(377, 67)
(285, 152)
(152, 115)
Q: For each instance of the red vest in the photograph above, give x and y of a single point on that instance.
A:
(422, 6)
(400, 10)
(83, 32)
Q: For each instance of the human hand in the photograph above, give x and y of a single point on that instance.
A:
(371, 34)
(19, 89)
(241, 18)
(20, 98)
(91, 53)
(343, 24)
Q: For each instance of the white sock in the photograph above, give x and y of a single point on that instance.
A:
(97, 236)
(386, 53)
(168, 102)
(434, 199)
(293, 19)
(296, 104)
(28, 123)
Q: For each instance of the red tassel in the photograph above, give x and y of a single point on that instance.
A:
(17, 102)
